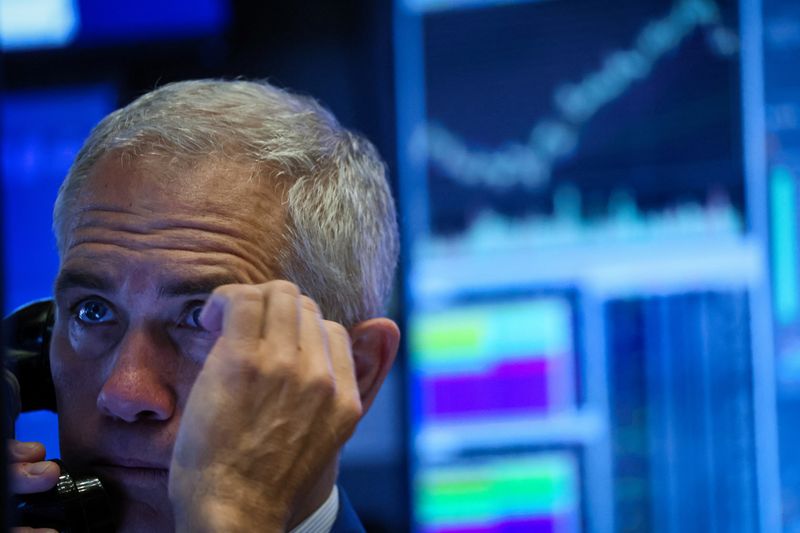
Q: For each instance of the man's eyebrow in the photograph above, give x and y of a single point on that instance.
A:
(199, 285)
(70, 279)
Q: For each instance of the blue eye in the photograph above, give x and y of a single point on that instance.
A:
(192, 318)
(93, 312)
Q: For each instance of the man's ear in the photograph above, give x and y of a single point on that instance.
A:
(375, 342)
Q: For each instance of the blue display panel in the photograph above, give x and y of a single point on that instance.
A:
(589, 132)
(530, 493)
(681, 412)
(138, 20)
(32, 24)
(567, 168)
(497, 360)
(42, 132)
(781, 86)
(493, 380)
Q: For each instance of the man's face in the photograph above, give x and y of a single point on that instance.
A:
(140, 254)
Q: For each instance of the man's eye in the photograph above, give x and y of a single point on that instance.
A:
(93, 312)
(192, 317)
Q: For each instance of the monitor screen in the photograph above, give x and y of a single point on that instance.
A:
(42, 24)
(529, 493)
(560, 123)
(580, 261)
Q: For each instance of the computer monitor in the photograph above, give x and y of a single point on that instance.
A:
(574, 182)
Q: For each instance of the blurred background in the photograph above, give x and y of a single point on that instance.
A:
(599, 288)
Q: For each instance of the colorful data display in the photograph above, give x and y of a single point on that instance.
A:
(494, 359)
(534, 493)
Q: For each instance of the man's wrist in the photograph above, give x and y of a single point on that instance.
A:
(222, 517)
(221, 503)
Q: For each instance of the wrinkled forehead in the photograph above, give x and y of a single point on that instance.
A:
(157, 181)
(169, 190)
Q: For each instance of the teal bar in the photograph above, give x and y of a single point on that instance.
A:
(783, 208)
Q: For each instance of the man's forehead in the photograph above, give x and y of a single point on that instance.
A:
(179, 181)
(162, 188)
(132, 212)
(123, 251)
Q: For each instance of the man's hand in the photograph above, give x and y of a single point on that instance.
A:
(276, 399)
(29, 472)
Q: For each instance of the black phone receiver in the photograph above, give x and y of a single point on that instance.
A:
(75, 504)
(28, 331)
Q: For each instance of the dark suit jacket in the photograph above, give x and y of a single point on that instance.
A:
(346, 519)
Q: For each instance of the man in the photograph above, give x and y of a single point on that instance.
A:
(226, 249)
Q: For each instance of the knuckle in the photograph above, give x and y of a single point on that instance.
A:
(284, 369)
(336, 330)
(350, 411)
(281, 285)
(356, 408)
(245, 293)
(323, 385)
(353, 415)
(31, 477)
(237, 293)
(309, 304)
(25, 451)
(224, 291)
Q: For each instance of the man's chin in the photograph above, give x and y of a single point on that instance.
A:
(140, 517)
(140, 498)
(137, 489)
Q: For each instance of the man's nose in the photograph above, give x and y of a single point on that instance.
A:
(139, 387)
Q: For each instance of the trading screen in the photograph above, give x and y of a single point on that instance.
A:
(546, 125)
(581, 267)
(781, 44)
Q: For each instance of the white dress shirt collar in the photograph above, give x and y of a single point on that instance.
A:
(321, 520)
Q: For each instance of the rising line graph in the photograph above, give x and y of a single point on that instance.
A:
(529, 163)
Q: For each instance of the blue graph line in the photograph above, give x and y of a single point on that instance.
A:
(530, 163)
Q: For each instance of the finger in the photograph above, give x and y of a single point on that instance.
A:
(27, 478)
(281, 326)
(341, 356)
(25, 452)
(32, 530)
(237, 311)
(313, 355)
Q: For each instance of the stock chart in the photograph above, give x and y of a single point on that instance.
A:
(580, 265)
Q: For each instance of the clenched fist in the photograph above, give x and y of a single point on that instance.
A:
(280, 392)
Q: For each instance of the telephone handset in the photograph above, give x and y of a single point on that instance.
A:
(28, 331)
(76, 504)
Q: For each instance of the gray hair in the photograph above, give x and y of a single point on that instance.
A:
(341, 243)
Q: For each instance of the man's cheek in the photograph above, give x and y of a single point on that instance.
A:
(77, 372)
(195, 346)
(187, 371)
(78, 417)
(75, 342)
